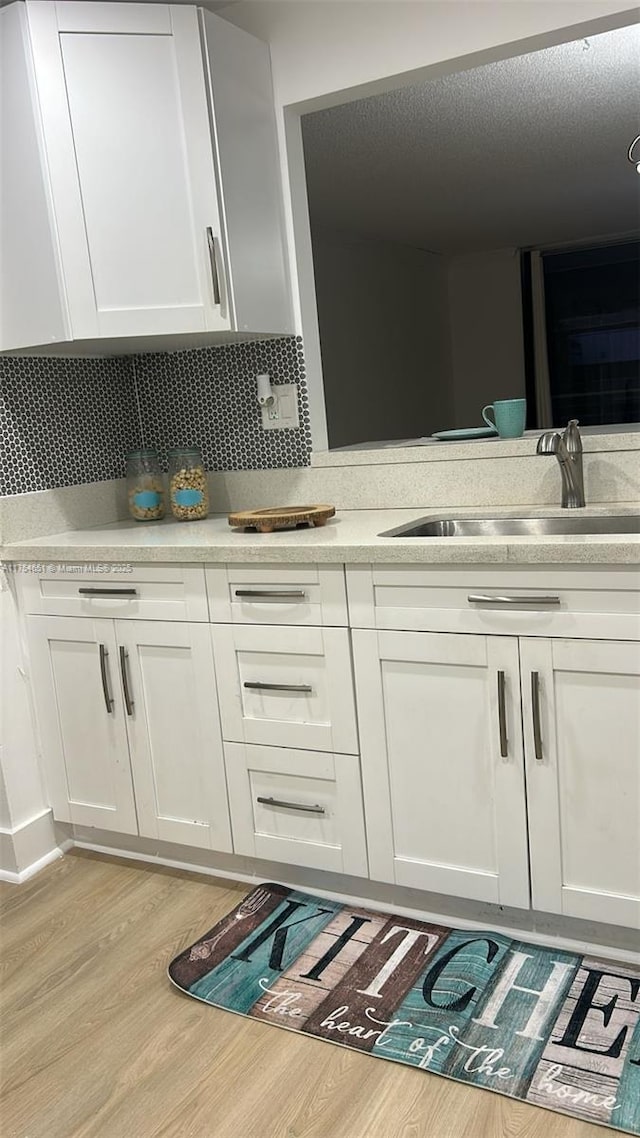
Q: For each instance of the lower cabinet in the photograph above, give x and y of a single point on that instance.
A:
(452, 727)
(300, 807)
(129, 727)
(170, 697)
(442, 763)
(286, 686)
(502, 768)
(581, 702)
(81, 720)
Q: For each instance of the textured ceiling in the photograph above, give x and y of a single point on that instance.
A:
(526, 152)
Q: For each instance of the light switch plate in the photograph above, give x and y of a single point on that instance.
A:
(283, 412)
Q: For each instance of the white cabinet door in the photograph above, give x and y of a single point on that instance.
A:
(581, 703)
(442, 763)
(169, 694)
(124, 113)
(286, 687)
(238, 70)
(74, 677)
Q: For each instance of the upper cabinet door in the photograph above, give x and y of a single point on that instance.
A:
(238, 70)
(124, 113)
(581, 701)
(442, 763)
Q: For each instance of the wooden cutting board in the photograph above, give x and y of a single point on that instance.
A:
(282, 517)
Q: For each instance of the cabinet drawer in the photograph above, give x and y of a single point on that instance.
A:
(537, 601)
(288, 687)
(300, 807)
(277, 594)
(136, 592)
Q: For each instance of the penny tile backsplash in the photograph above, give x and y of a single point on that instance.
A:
(69, 421)
(64, 421)
(208, 398)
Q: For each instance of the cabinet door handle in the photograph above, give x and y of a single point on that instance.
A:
(502, 716)
(535, 715)
(272, 594)
(104, 676)
(128, 701)
(213, 261)
(97, 592)
(486, 599)
(256, 685)
(291, 805)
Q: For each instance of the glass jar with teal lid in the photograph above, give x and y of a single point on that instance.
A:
(145, 485)
(188, 492)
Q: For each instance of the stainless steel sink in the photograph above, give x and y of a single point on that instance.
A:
(516, 527)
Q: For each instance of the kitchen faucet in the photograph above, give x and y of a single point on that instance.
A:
(567, 448)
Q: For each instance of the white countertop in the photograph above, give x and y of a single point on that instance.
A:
(352, 536)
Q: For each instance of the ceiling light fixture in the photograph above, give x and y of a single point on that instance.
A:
(636, 160)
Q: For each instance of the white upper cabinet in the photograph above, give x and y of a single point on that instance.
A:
(129, 108)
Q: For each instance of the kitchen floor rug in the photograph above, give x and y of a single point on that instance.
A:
(552, 1027)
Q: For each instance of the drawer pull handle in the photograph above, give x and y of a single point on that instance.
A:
(213, 261)
(291, 805)
(128, 701)
(95, 592)
(502, 716)
(535, 715)
(485, 599)
(272, 594)
(256, 685)
(108, 699)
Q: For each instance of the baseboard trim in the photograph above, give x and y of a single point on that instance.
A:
(27, 848)
(265, 871)
(31, 870)
(584, 937)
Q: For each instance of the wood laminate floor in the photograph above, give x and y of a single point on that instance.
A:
(97, 1044)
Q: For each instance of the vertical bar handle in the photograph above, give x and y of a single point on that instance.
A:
(108, 700)
(128, 701)
(535, 715)
(213, 260)
(502, 716)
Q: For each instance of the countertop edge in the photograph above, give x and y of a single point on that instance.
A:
(577, 552)
(353, 537)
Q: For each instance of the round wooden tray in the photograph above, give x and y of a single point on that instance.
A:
(282, 517)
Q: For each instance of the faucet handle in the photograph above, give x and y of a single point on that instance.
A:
(572, 437)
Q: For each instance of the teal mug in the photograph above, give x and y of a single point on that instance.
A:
(509, 415)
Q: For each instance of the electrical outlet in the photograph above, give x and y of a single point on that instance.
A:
(282, 414)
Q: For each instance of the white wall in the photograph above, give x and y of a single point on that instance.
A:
(382, 310)
(485, 321)
(5, 814)
(23, 783)
(26, 828)
(319, 48)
